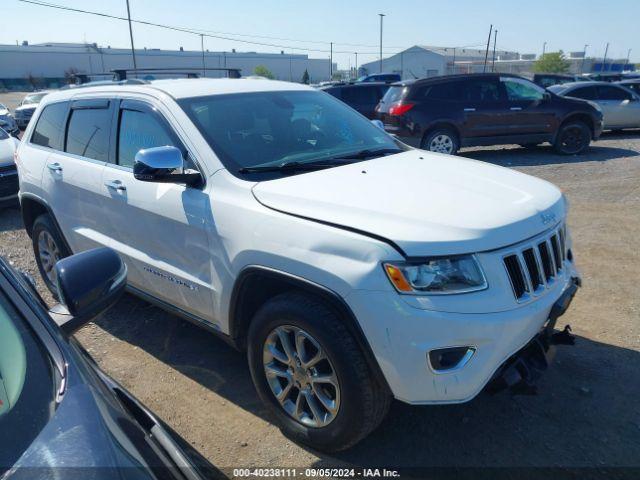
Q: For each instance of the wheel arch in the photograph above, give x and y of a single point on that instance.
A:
(447, 124)
(31, 207)
(258, 284)
(580, 117)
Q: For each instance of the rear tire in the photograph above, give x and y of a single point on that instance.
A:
(357, 402)
(573, 138)
(48, 248)
(441, 140)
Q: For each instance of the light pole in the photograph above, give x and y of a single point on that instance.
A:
(486, 52)
(204, 71)
(495, 39)
(544, 48)
(382, 15)
(604, 60)
(584, 57)
(331, 62)
(356, 54)
(628, 54)
(133, 50)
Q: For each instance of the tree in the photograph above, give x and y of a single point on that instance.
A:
(305, 77)
(263, 71)
(552, 62)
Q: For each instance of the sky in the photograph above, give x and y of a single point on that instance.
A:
(353, 25)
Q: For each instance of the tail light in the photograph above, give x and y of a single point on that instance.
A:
(399, 109)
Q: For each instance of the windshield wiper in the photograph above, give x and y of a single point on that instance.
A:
(291, 166)
(368, 153)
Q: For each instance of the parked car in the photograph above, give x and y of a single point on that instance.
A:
(547, 79)
(350, 267)
(8, 170)
(27, 106)
(445, 113)
(7, 122)
(380, 77)
(363, 97)
(631, 84)
(620, 105)
(60, 415)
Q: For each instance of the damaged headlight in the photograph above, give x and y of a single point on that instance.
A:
(459, 274)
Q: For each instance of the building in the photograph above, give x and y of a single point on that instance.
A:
(47, 65)
(427, 61)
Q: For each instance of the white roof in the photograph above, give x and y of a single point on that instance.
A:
(190, 87)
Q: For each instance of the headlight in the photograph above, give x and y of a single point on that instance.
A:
(437, 276)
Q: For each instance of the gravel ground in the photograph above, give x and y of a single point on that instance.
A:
(586, 415)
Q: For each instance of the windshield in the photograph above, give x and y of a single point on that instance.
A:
(33, 98)
(262, 129)
(27, 384)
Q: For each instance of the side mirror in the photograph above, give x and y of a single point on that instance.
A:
(546, 96)
(163, 165)
(378, 123)
(88, 284)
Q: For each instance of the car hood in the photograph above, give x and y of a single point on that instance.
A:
(424, 203)
(27, 106)
(7, 147)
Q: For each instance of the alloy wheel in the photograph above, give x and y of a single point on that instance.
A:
(572, 140)
(49, 254)
(441, 143)
(301, 376)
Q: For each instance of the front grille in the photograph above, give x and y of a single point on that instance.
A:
(535, 265)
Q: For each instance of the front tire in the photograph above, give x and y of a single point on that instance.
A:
(441, 140)
(48, 248)
(294, 340)
(573, 138)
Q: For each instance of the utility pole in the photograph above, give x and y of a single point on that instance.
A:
(627, 62)
(584, 57)
(604, 60)
(331, 62)
(204, 71)
(133, 50)
(382, 15)
(544, 48)
(486, 52)
(356, 53)
(495, 39)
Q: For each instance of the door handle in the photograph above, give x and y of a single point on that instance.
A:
(116, 185)
(55, 167)
(469, 109)
(515, 109)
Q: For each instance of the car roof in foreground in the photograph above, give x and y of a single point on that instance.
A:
(187, 87)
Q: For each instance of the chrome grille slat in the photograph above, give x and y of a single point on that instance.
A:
(534, 266)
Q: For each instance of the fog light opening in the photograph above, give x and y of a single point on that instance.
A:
(445, 360)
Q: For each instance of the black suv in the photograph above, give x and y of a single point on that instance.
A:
(363, 97)
(445, 113)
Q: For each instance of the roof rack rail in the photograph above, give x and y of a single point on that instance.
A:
(190, 72)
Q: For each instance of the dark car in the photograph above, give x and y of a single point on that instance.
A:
(60, 415)
(363, 97)
(445, 113)
(547, 79)
(380, 77)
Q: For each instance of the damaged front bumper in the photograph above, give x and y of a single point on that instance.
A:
(521, 371)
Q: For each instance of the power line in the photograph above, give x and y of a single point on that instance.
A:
(189, 30)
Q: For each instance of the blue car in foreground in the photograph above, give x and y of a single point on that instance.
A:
(60, 416)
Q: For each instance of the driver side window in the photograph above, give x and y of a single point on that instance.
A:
(139, 130)
(518, 90)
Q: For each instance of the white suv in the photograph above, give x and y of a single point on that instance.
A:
(352, 268)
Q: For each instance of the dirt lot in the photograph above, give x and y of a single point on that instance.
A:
(586, 415)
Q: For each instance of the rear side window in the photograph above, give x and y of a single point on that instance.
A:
(585, 93)
(48, 131)
(394, 94)
(88, 133)
(442, 91)
(612, 93)
(480, 90)
(360, 95)
(139, 130)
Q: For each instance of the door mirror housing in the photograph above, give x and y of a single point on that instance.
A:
(163, 165)
(88, 284)
(546, 96)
